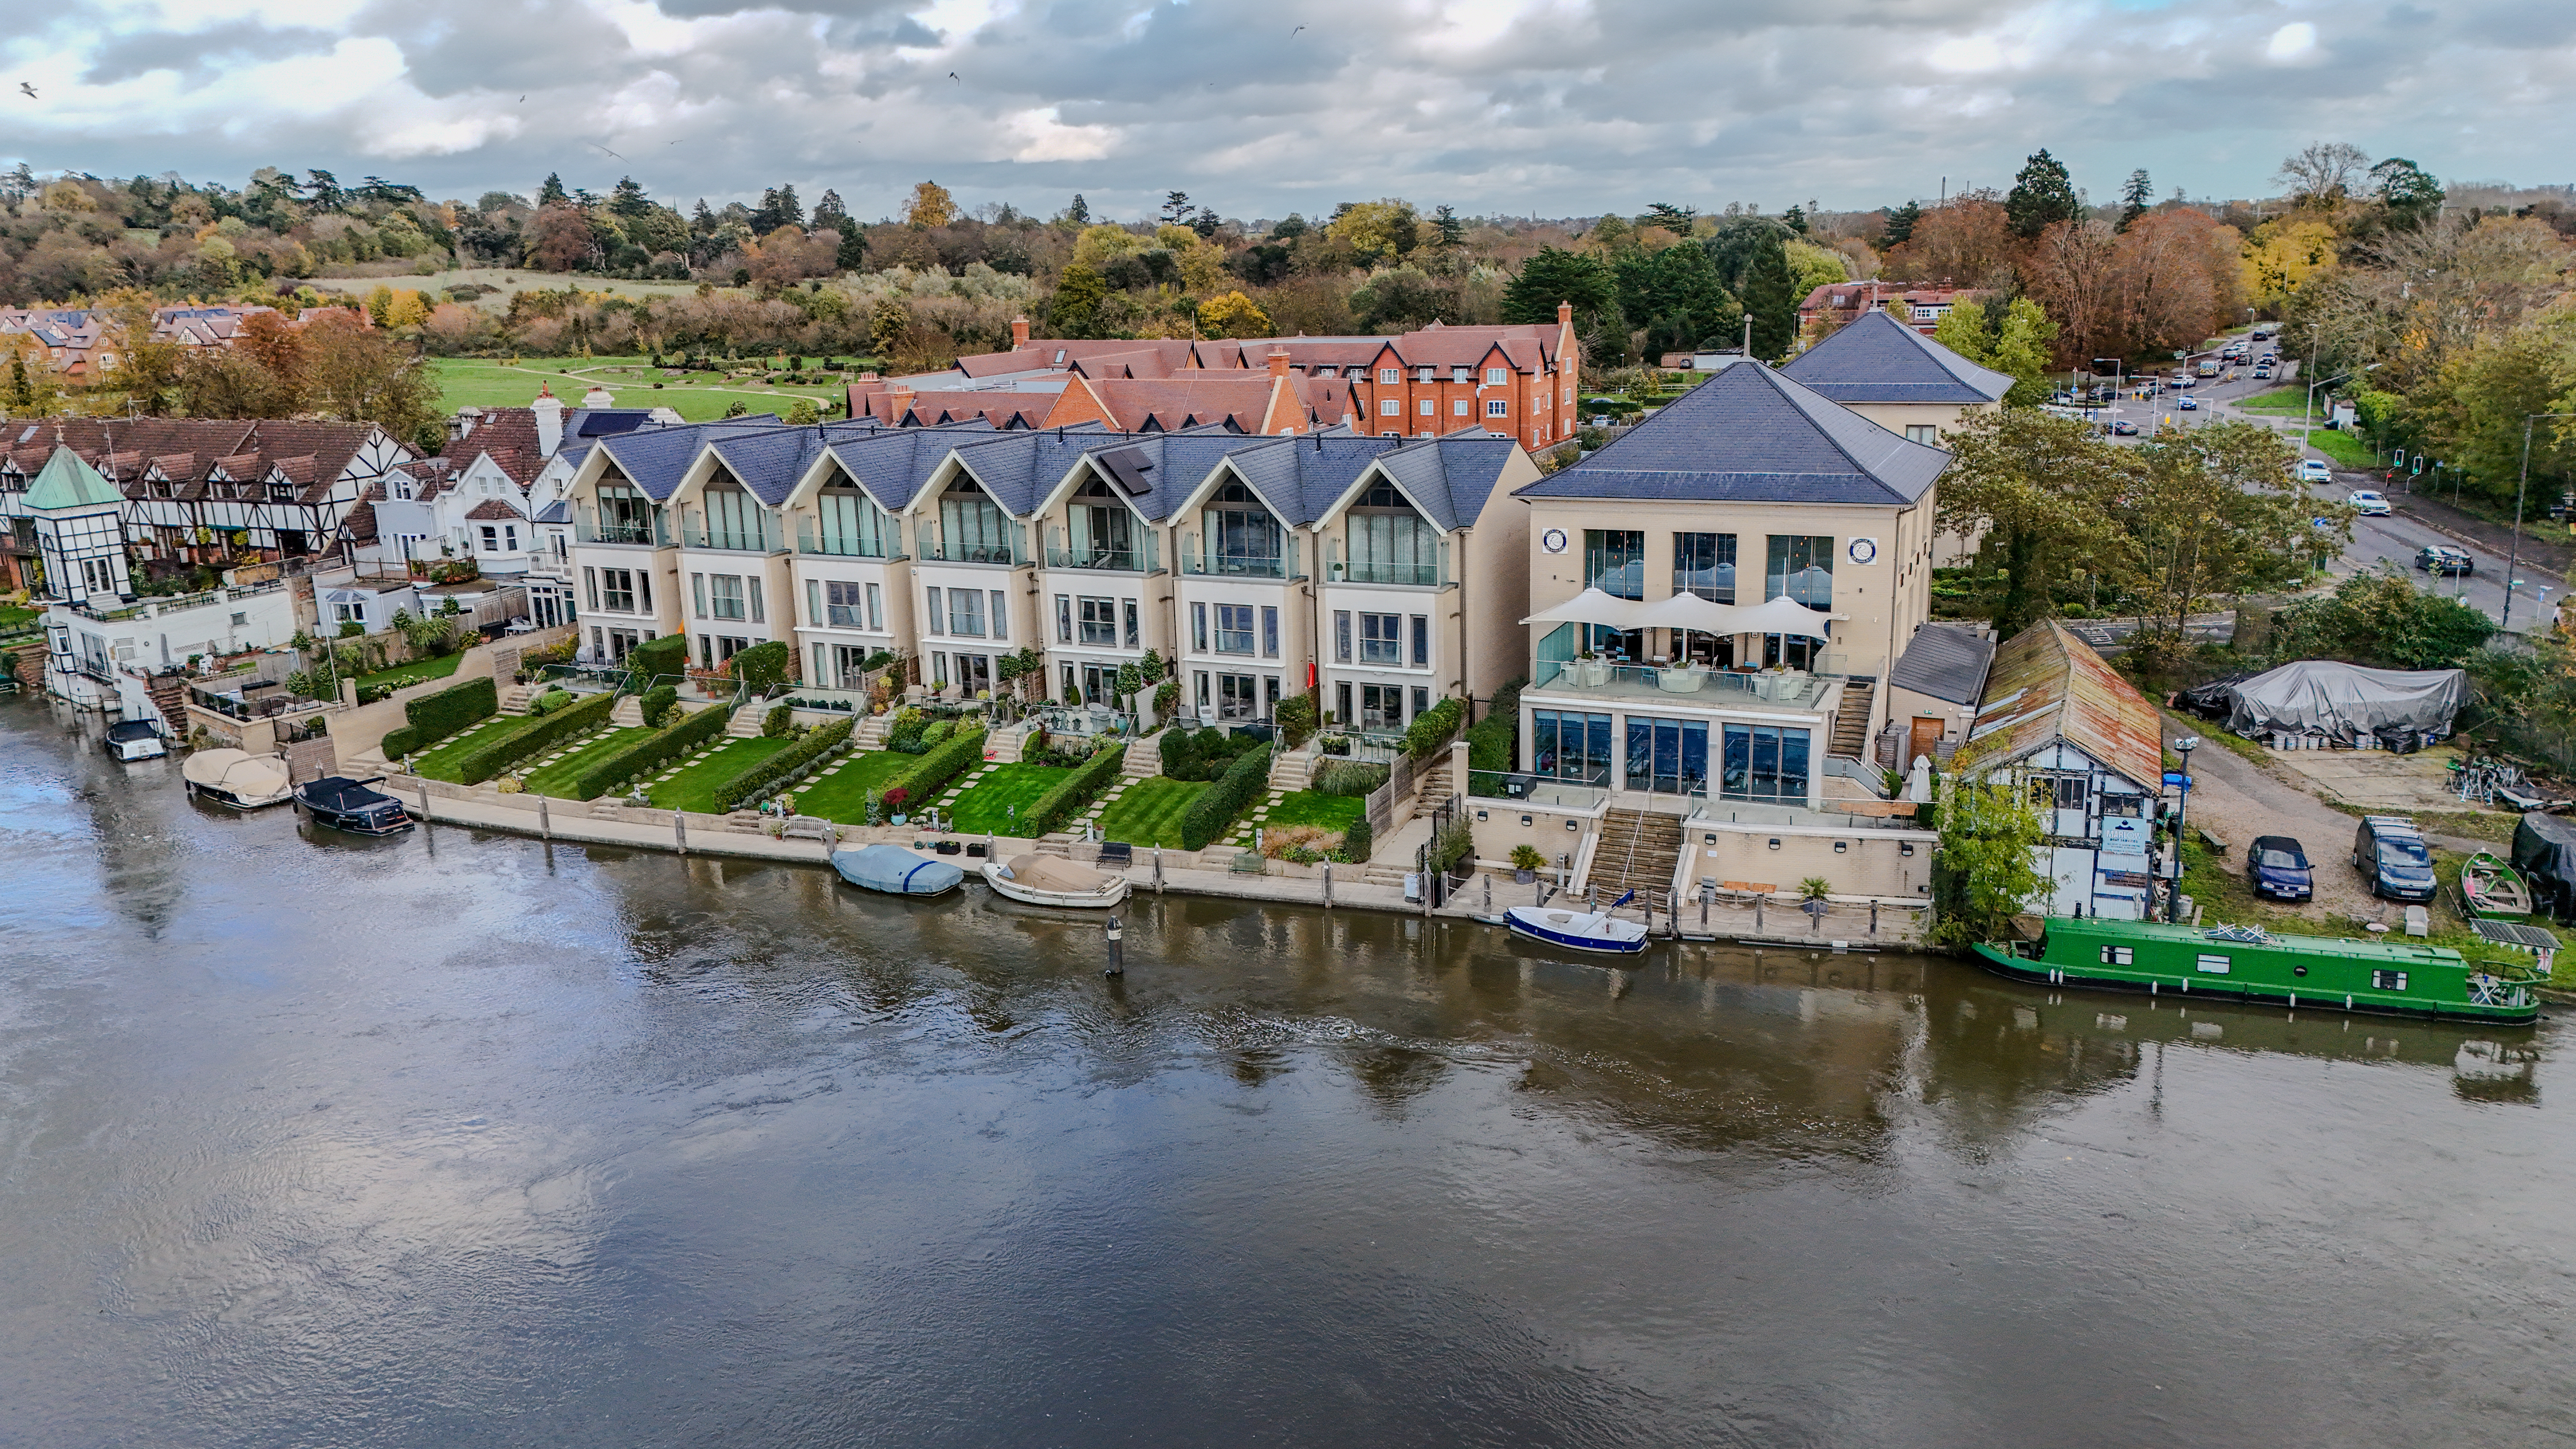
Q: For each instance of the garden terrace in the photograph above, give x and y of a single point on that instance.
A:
(554, 776)
(694, 787)
(1149, 812)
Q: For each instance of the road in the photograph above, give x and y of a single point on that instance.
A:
(2391, 539)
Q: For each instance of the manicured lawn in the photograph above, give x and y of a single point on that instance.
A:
(695, 787)
(1150, 812)
(1307, 807)
(2286, 400)
(414, 672)
(13, 618)
(986, 808)
(844, 797)
(439, 763)
(2347, 450)
(697, 396)
(556, 779)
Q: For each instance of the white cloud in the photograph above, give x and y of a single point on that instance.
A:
(2294, 41)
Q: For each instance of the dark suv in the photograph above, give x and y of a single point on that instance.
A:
(2278, 867)
(2437, 558)
(2390, 854)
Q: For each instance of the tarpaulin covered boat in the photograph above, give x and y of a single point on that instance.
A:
(896, 871)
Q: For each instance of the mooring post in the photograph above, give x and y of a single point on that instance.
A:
(1759, 898)
(1873, 915)
(680, 829)
(1117, 952)
(1158, 871)
(1705, 891)
(545, 823)
(1489, 895)
(1328, 885)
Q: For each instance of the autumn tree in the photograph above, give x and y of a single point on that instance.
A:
(2213, 510)
(2037, 488)
(2323, 173)
(1233, 315)
(929, 207)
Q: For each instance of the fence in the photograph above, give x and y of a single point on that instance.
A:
(1383, 800)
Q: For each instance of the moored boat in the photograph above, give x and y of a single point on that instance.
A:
(2246, 963)
(2491, 889)
(351, 805)
(896, 871)
(236, 779)
(1047, 880)
(1579, 930)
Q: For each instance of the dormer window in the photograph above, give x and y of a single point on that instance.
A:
(1426, 374)
(1497, 376)
(403, 490)
(281, 493)
(1462, 374)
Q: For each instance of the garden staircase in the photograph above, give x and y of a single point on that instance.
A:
(1851, 722)
(1144, 758)
(628, 712)
(1433, 785)
(747, 722)
(1292, 770)
(515, 699)
(872, 732)
(1637, 851)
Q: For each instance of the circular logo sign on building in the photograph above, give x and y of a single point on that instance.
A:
(1863, 550)
(1552, 540)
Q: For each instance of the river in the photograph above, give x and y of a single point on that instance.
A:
(459, 1139)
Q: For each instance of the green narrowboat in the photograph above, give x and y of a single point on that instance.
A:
(2247, 963)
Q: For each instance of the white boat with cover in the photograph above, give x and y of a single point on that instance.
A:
(236, 780)
(1048, 880)
(1579, 930)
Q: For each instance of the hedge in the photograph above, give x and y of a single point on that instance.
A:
(499, 753)
(1213, 812)
(1076, 790)
(1491, 741)
(656, 704)
(764, 666)
(931, 773)
(654, 658)
(753, 783)
(550, 701)
(433, 717)
(1432, 728)
(1358, 841)
(647, 754)
(780, 719)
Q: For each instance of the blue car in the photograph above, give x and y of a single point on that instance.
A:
(2278, 866)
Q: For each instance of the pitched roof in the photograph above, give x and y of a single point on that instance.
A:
(1878, 359)
(1301, 477)
(1752, 435)
(67, 482)
(493, 508)
(1945, 661)
(2048, 685)
(1450, 478)
(655, 459)
(891, 466)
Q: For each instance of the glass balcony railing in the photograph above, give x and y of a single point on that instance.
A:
(841, 545)
(1236, 566)
(1687, 684)
(588, 528)
(1369, 571)
(1113, 560)
(929, 547)
(737, 540)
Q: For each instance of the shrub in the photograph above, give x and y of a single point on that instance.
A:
(1358, 841)
(433, 717)
(778, 721)
(1296, 719)
(550, 701)
(1491, 740)
(666, 657)
(1209, 816)
(1455, 845)
(932, 772)
(757, 781)
(656, 704)
(904, 732)
(937, 731)
(1432, 728)
(509, 747)
(1525, 856)
(1076, 790)
(763, 667)
(1202, 754)
(1354, 778)
(648, 754)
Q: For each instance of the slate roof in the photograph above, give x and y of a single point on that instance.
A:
(1878, 359)
(1945, 661)
(2048, 685)
(1018, 469)
(891, 466)
(1752, 435)
(655, 459)
(1173, 465)
(768, 463)
(1301, 477)
(1450, 478)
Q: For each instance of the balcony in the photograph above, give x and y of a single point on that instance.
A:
(1704, 688)
(841, 545)
(729, 540)
(1235, 566)
(1107, 560)
(586, 528)
(1369, 571)
(929, 547)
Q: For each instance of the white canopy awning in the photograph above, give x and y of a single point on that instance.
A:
(1690, 611)
(1782, 615)
(1592, 606)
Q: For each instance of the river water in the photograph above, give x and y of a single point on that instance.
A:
(456, 1139)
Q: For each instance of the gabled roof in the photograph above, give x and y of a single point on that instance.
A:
(492, 509)
(1752, 435)
(1878, 359)
(1300, 478)
(1450, 478)
(67, 482)
(2048, 685)
(655, 459)
(1169, 465)
(1019, 469)
(770, 462)
(891, 466)
(1945, 661)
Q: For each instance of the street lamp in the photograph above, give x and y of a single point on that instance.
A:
(2514, 559)
(2182, 814)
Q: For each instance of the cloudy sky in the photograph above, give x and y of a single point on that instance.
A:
(1260, 107)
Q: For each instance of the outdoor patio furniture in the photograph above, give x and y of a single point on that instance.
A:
(1685, 680)
(1116, 855)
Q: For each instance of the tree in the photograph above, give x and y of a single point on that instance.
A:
(1796, 218)
(2322, 174)
(2137, 197)
(1074, 310)
(627, 200)
(2214, 511)
(1674, 219)
(1735, 243)
(1676, 296)
(1992, 844)
(1377, 230)
(1448, 233)
(1900, 226)
(358, 374)
(1078, 214)
(2284, 255)
(930, 207)
(1177, 208)
(852, 254)
(2038, 489)
(778, 207)
(2025, 346)
(2041, 195)
(1771, 300)
(560, 240)
(553, 193)
(323, 190)
(1233, 315)
(2380, 618)
(1554, 276)
(2408, 192)
(1403, 298)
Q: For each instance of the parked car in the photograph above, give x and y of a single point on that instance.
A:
(2390, 854)
(2263, 372)
(2315, 470)
(135, 739)
(2437, 558)
(2125, 428)
(2369, 502)
(2189, 404)
(2278, 867)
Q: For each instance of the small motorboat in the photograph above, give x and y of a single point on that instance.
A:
(135, 739)
(896, 871)
(346, 804)
(236, 780)
(2491, 890)
(1048, 880)
(1579, 930)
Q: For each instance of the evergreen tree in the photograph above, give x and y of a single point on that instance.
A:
(1900, 225)
(1675, 295)
(1796, 217)
(1555, 276)
(628, 200)
(702, 222)
(1674, 219)
(1772, 299)
(2041, 195)
(552, 193)
(2409, 192)
(1452, 233)
(829, 212)
(853, 255)
(2136, 196)
(1738, 241)
(1078, 214)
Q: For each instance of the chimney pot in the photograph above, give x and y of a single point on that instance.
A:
(1279, 362)
(1564, 314)
(1019, 333)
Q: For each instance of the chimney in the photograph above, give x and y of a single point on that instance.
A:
(549, 410)
(1279, 362)
(1565, 314)
(1019, 333)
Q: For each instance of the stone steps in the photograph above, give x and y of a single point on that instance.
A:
(1851, 722)
(1637, 851)
(628, 712)
(515, 698)
(747, 721)
(1144, 758)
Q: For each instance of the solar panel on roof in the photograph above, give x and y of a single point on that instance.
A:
(1128, 467)
(2509, 933)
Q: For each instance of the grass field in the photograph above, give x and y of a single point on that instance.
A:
(1150, 812)
(556, 779)
(698, 397)
(844, 797)
(2287, 401)
(13, 618)
(440, 763)
(986, 809)
(1308, 807)
(414, 672)
(695, 787)
(2344, 448)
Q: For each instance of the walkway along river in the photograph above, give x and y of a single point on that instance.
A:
(462, 1138)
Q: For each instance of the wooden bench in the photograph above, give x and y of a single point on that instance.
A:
(2217, 843)
(807, 827)
(1742, 892)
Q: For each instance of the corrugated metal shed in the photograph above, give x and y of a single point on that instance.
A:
(2048, 685)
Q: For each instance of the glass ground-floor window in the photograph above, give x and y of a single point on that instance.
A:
(1667, 756)
(1382, 706)
(1765, 763)
(1790, 651)
(849, 665)
(1569, 746)
(1237, 697)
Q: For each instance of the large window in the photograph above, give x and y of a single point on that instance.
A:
(1381, 639)
(1381, 706)
(966, 612)
(1801, 568)
(1763, 763)
(725, 596)
(851, 523)
(1667, 756)
(617, 591)
(733, 518)
(1390, 543)
(1234, 626)
(1237, 697)
(1704, 564)
(1242, 536)
(625, 515)
(1099, 622)
(1614, 561)
(1568, 746)
(844, 605)
(972, 527)
(1102, 529)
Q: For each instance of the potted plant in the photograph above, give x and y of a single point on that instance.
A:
(1526, 862)
(894, 802)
